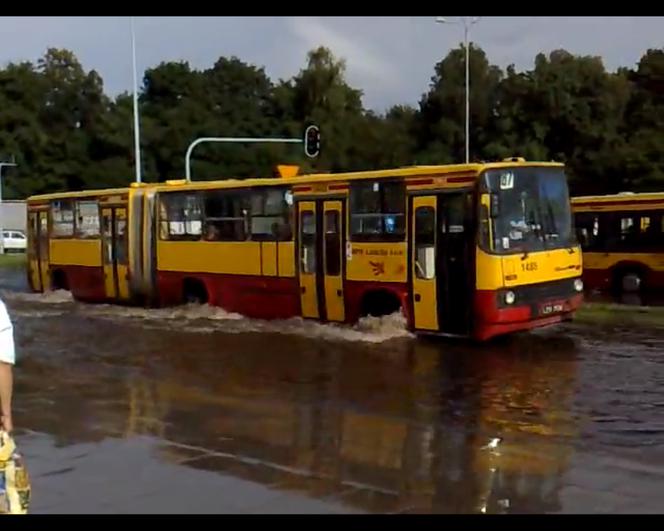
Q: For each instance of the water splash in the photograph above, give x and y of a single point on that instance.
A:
(210, 319)
(50, 297)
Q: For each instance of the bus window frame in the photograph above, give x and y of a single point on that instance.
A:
(285, 216)
(240, 195)
(51, 219)
(77, 233)
(162, 207)
(614, 241)
(383, 236)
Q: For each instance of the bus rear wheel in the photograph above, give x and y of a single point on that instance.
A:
(379, 303)
(194, 292)
(631, 282)
(59, 280)
(628, 281)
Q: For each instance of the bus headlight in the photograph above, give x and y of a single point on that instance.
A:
(578, 285)
(510, 297)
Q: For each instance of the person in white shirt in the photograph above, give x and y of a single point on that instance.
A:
(7, 359)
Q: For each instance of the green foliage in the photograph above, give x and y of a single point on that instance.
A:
(66, 134)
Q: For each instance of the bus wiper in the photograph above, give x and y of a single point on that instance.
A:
(540, 217)
(554, 228)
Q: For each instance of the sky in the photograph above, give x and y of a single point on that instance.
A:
(389, 58)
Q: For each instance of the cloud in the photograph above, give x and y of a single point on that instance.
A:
(363, 64)
(390, 59)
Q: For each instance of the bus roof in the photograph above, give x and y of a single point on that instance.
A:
(474, 168)
(81, 194)
(618, 199)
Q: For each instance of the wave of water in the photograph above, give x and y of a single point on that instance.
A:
(209, 319)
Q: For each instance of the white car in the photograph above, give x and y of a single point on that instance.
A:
(14, 241)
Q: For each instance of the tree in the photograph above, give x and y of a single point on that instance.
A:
(442, 109)
(320, 95)
(66, 134)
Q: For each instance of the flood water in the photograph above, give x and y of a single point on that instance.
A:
(189, 410)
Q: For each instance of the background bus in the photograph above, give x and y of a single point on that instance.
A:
(622, 237)
(466, 250)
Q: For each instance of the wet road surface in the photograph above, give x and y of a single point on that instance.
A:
(189, 410)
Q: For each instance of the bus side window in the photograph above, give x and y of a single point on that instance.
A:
(654, 232)
(87, 219)
(332, 244)
(62, 218)
(308, 241)
(33, 231)
(588, 231)
(425, 243)
(271, 214)
(485, 228)
(378, 211)
(43, 236)
(583, 237)
(226, 216)
(182, 216)
(121, 241)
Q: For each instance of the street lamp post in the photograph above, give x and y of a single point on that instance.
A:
(467, 23)
(137, 133)
(2, 238)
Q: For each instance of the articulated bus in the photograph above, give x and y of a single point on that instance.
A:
(622, 237)
(474, 250)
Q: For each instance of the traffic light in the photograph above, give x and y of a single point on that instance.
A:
(312, 141)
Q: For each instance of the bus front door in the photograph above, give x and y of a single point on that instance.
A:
(423, 263)
(442, 270)
(455, 246)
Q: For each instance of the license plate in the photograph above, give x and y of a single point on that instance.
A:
(554, 307)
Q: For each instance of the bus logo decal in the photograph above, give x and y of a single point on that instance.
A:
(378, 268)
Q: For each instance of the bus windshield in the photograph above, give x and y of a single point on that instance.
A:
(530, 209)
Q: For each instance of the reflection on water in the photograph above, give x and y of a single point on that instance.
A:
(368, 418)
(398, 426)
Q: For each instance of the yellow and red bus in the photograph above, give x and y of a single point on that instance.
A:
(622, 237)
(473, 250)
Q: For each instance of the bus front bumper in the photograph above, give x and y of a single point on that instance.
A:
(525, 307)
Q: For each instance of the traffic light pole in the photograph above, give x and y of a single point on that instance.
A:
(233, 140)
(250, 140)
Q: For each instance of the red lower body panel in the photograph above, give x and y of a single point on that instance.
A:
(85, 283)
(279, 298)
(491, 320)
(597, 279)
(268, 297)
(257, 297)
